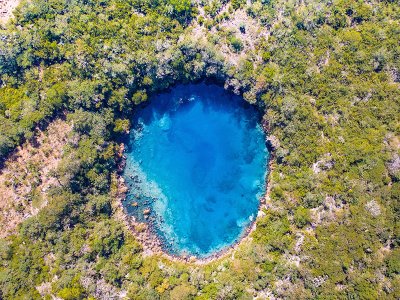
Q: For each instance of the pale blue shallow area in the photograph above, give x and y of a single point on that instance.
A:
(196, 157)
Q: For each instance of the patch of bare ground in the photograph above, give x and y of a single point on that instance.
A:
(250, 35)
(248, 30)
(329, 211)
(6, 9)
(27, 175)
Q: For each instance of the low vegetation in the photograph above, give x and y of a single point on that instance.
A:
(28, 174)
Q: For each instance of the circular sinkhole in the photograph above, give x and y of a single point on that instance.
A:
(196, 163)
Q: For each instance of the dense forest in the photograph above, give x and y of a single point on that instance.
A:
(326, 75)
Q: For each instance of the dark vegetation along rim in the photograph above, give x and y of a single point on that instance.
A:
(146, 232)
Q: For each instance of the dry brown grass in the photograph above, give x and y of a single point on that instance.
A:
(26, 176)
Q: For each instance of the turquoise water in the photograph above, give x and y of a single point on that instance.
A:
(197, 159)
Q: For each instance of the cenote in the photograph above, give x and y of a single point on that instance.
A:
(196, 163)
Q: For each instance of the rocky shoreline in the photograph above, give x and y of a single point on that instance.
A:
(146, 234)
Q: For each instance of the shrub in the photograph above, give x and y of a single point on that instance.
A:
(236, 44)
(302, 217)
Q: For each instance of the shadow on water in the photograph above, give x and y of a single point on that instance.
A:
(184, 96)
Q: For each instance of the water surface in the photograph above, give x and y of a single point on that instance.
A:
(197, 161)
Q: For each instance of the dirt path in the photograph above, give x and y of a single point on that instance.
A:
(6, 9)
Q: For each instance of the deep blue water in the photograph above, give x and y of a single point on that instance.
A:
(197, 158)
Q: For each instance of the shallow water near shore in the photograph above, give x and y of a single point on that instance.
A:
(196, 167)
